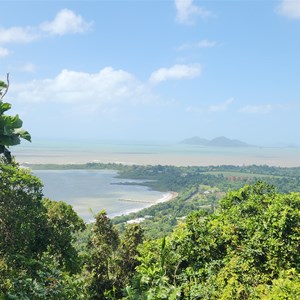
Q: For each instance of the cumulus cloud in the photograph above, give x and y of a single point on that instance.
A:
(221, 106)
(257, 109)
(175, 72)
(66, 22)
(17, 35)
(108, 86)
(4, 52)
(289, 8)
(187, 11)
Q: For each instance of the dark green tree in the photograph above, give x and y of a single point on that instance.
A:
(102, 246)
(23, 220)
(126, 258)
(35, 241)
(23, 224)
(63, 222)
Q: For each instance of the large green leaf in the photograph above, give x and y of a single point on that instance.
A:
(4, 107)
(23, 134)
(10, 140)
(12, 122)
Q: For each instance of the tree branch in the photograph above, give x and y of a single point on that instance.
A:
(6, 90)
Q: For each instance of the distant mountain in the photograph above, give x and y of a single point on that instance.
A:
(195, 141)
(220, 141)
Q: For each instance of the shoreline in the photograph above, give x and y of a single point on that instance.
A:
(173, 155)
(176, 161)
(166, 197)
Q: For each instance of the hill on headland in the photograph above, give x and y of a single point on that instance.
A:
(221, 141)
(195, 141)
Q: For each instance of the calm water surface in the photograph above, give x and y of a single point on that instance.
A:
(64, 152)
(90, 191)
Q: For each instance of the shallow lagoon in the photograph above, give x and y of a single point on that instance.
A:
(90, 191)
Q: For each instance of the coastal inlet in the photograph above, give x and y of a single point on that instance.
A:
(90, 191)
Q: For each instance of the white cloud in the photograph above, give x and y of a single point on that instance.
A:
(221, 106)
(194, 109)
(187, 11)
(175, 72)
(290, 9)
(108, 86)
(17, 35)
(29, 68)
(206, 44)
(65, 22)
(257, 109)
(211, 109)
(201, 44)
(184, 47)
(4, 52)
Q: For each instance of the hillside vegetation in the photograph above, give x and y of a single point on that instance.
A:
(246, 247)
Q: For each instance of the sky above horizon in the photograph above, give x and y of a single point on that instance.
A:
(154, 70)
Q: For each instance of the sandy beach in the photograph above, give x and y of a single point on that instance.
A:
(166, 197)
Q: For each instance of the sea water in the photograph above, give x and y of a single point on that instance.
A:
(90, 191)
(64, 152)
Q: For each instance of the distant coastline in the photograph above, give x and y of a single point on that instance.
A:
(160, 154)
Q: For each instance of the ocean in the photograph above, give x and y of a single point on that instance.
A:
(64, 152)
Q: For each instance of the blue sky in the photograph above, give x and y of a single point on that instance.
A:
(154, 70)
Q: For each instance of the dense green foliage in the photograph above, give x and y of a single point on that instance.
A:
(64, 223)
(245, 246)
(247, 249)
(34, 239)
(111, 259)
(23, 228)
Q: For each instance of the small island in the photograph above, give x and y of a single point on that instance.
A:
(220, 141)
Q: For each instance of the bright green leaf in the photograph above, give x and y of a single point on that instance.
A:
(4, 107)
